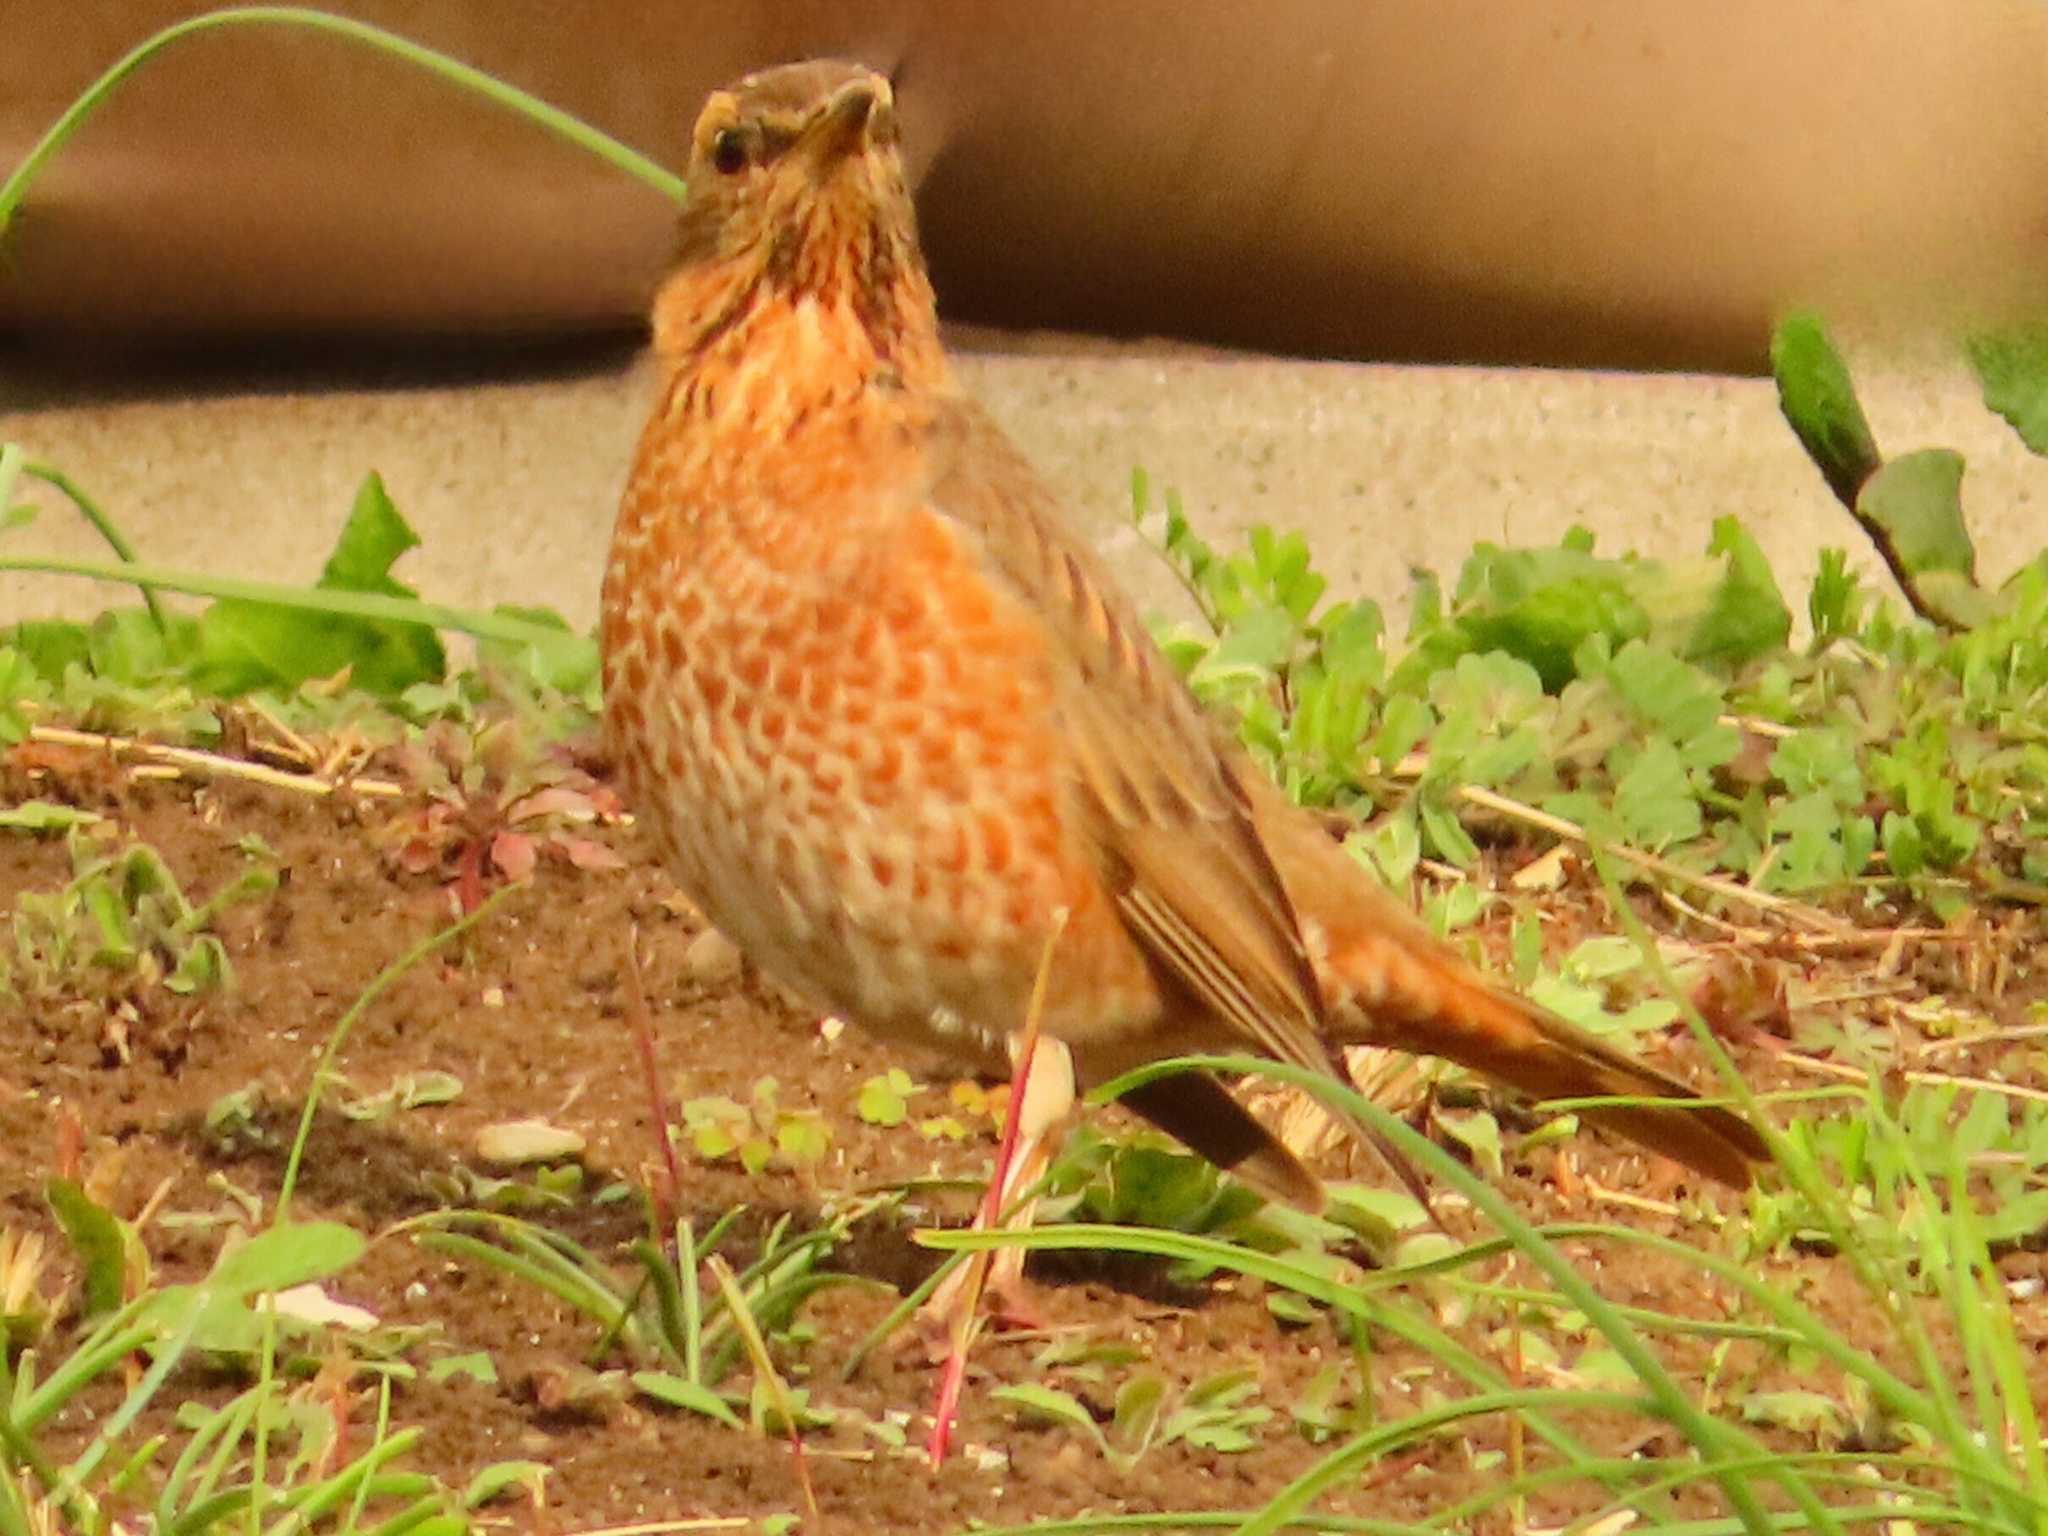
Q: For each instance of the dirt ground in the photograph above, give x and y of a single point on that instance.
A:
(529, 1013)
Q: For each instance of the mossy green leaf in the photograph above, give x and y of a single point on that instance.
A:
(1747, 616)
(1820, 404)
(2012, 368)
(1913, 510)
(95, 1236)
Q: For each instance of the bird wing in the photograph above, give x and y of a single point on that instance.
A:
(1167, 816)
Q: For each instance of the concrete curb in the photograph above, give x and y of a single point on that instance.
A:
(512, 484)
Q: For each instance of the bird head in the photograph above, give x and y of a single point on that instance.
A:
(797, 191)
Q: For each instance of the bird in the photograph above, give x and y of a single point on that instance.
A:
(900, 735)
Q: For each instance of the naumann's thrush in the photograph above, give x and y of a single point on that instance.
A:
(889, 718)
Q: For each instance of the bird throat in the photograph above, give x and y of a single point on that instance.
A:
(838, 300)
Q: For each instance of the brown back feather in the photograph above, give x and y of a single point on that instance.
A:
(1167, 817)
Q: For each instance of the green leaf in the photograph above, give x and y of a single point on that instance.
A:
(1800, 1412)
(1916, 501)
(1665, 693)
(1653, 797)
(1913, 510)
(1835, 603)
(677, 1392)
(1479, 1134)
(475, 1366)
(203, 967)
(374, 536)
(96, 1237)
(1315, 1409)
(1282, 562)
(21, 690)
(1548, 625)
(124, 645)
(1404, 721)
(568, 665)
(1747, 617)
(1602, 957)
(1251, 650)
(1150, 1186)
(803, 1140)
(788, 1411)
(280, 1257)
(46, 816)
(502, 1477)
(885, 1100)
(1454, 907)
(246, 644)
(1604, 1370)
(1049, 1405)
(713, 1140)
(1394, 847)
(1210, 1418)
(1446, 834)
(51, 645)
(112, 921)
(217, 1310)
(1820, 760)
(2012, 368)
(1820, 404)
(1136, 1415)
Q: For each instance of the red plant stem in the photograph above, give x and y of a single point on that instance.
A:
(668, 1197)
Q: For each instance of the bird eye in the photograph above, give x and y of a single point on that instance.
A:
(729, 152)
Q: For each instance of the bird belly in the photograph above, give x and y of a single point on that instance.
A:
(858, 780)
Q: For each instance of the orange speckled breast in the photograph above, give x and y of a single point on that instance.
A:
(841, 731)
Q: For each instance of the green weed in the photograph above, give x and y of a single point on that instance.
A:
(121, 927)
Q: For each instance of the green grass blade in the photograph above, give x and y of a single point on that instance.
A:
(901, 1313)
(415, 1517)
(308, 1505)
(101, 523)
(323, 1072)
(358, 605)
(214, 1510)
(1292, 1502)
(586, 1298)
(692, 1300)
(670, 1313)
(221, 1432)
(553, 119)
(167, 1359)
(109, 1345)
(1346, 1300)
(1713, 1439)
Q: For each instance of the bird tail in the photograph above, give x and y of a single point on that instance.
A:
(1386, 980)
(1423, 999)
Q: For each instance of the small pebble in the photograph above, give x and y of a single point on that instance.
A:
(515, 1142)
(712, 959)
(309, 1304)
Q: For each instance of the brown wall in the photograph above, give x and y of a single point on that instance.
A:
(1574, 181)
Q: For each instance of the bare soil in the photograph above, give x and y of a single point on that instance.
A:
(529, 1013)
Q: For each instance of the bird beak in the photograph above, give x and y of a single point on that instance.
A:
(844, 126)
